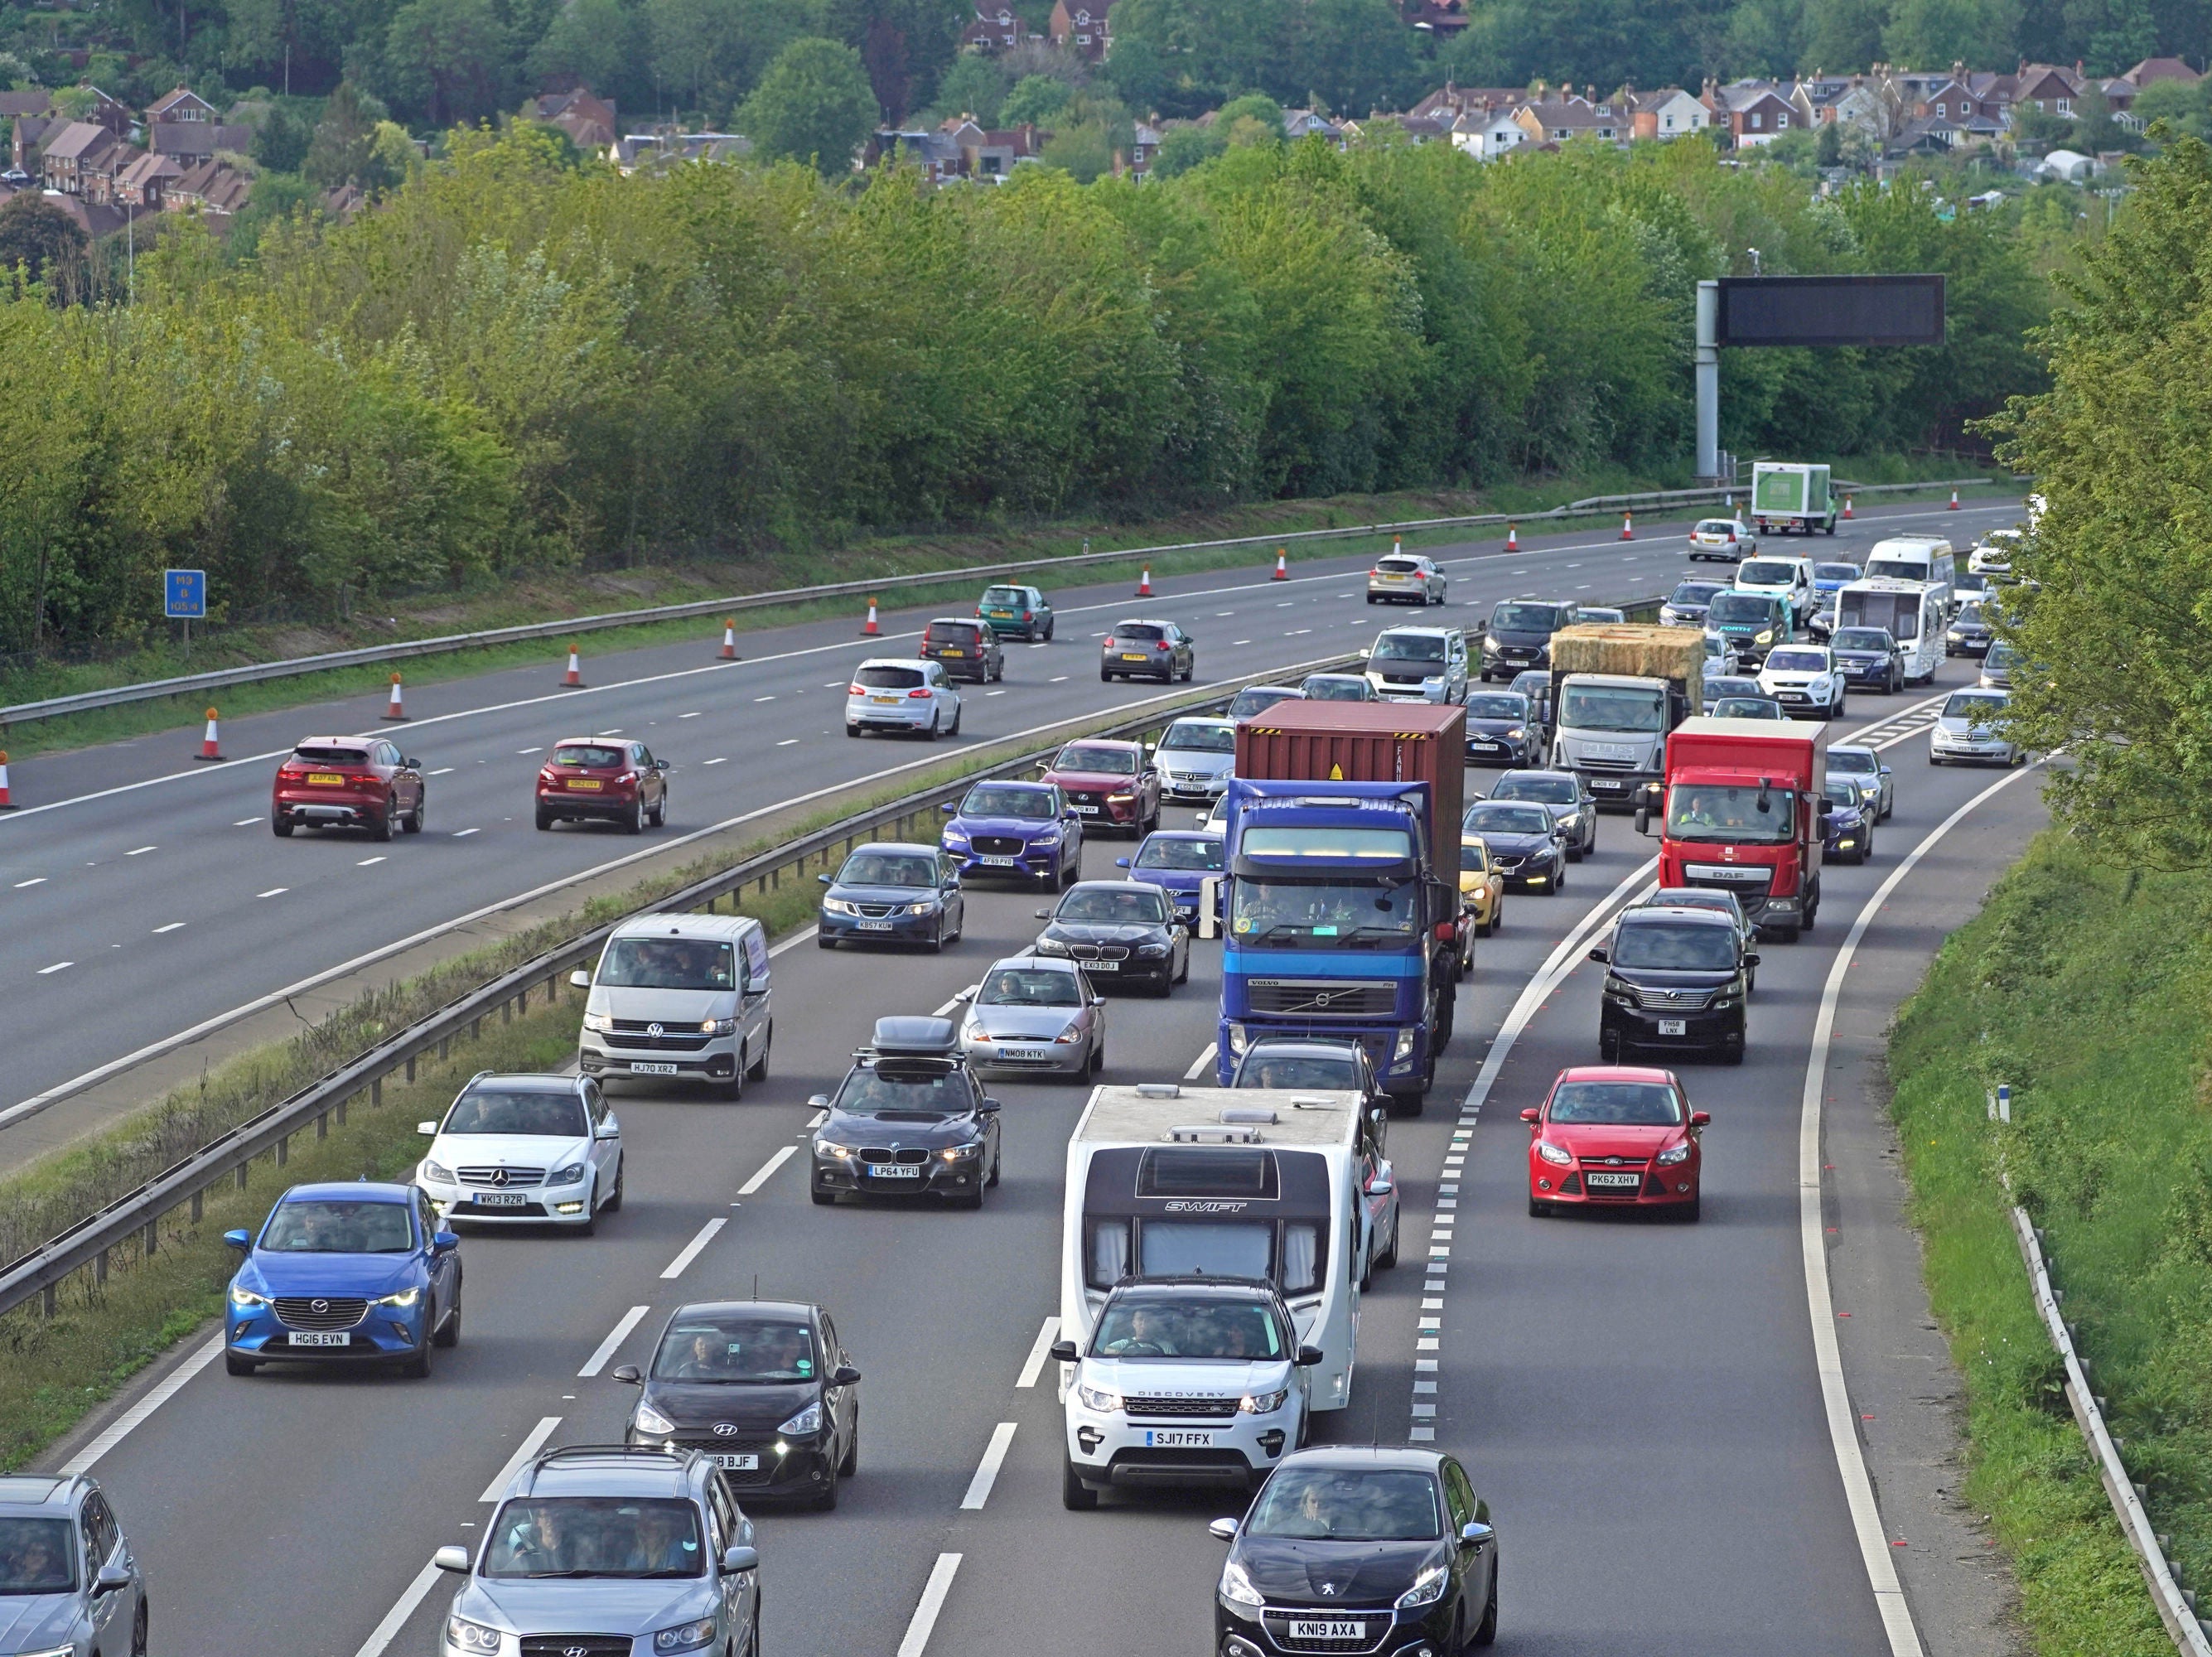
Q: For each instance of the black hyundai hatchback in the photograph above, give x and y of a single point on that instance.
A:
(762, 1388)
(1344, 1549)
(1674, 978)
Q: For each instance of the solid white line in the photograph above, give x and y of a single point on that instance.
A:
(723, 761)
(58, 966)
(132, 1418)
(767, 1169)
(243, 822)
(396, 1618)
(924, 1621)
(612, 1343)
(274, 891)
(793, 942)
(529, 1448)
(40, 880)
(462, 834)
(986, 1471)
(1843, 1426)
(1034, 1365)
(946, 1011)
(170, 927)
(1199, 1064)
(142, 851)
(368, 862)
(692, 1250)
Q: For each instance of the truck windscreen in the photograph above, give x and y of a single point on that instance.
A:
(1303, 915)
(1381, 845)
(1592, 708)
(1741, 815)
(1897, 612)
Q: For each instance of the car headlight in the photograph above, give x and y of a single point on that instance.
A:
(1152, 951)
(718, 1026)
(1489, 642)
(601, 1022)
(437, 1171)
(1238, 1040)
(1073, 1034)
(1674, 1154)
(1095, 1397)
(831, 1148)
(568, 1175)
(404, 1298)
(1120, 800)
(1572, 820)
(1764, 636)
(1050, 946)
(1237, 1586)
(650, 1420)
(464, 1636)
(1264, 1404)
(837, 906)
(1428, 1589)
(1555, 1154)
(927, 906)
(1404, 1049)
(952, 834)
(808, 1420)
(1432, 679)
(685, 1636)
(956, 1153)
(1518, 731)
(245, 1299)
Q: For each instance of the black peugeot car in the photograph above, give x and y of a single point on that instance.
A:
(1519, 636)
(1526, 842)
(1348, 1549)
(909, 1119)
(1121, 932)
(1674, 978)
(762, 1388)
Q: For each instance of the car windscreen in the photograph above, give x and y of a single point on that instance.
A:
(1863, 638)
(1407, 647)
(1689, 897)
(1379, 845)
(1029, 987)
(1511, 617)
(1624, 1104)
(329, 1226)
(735, 1348)
(667, 963)
(1798, 661)
(529, 1114)
(1348, 1504)
(1127, 906)
(1503, 819)
(1661, 947)
(1729, 685)
(888, 868)
(1188, 1326)
(940, 1090)
(1611, 707)
(590, 757)
(1473, 857)
(1336, 688)
(889, 678)
(1548, 790)
(1497, 706)
(1186, 854)
(1186, 735)
(1032, 803)
(1097, 759)
(1853, 762)
(1286, 1070)
(593, 1536)
(953, 632)
(1766, 573)
(35, 1558)
(322, 754)
(1730, 812)
(1835, 572)
(1740, 607)
(1257, 699)
(2002, 655)
(1979, 710)
(1843, 794)
(1899, 569)
(1746, 708)
(1696, 592)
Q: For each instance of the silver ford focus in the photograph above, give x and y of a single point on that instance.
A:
(1034, 1013)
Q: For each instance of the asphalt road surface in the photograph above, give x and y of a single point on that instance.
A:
(1639, 1403)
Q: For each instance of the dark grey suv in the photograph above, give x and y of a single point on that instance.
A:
(68, 1586)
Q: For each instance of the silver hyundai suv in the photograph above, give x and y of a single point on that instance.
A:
(609, 1549)
(68, 1584)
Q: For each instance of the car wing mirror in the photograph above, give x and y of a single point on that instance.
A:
(950, 808)
(445, 1242)
(844, 1375)
(968, 994)
(818, 1100)
(452, 1557)
(1311, 1357)
(824, 879)
(1225, 1529)
(607, 1129)
(1601, 953)
(427, 1130)
(1751, 959)
(1474, 1533)
(1043, 914)
(1120, 863)
(1062, 1351)
(239, 1239)
(737, 1560)
(1701, 1118)
(1531, 1115)
(628, 1374)
(581, 978)
(112, 1578)
(412, 765)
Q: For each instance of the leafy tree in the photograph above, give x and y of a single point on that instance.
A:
(604, 44)
(906, 46)
(1139, 75)
(2185, 108)
(39, 241)
(1263, 111)
(707, 55)
(1355, 55)
(342, 150)
(1842, 37)
(282, 144)
(813, 104)
(1183, 148)
(1035, 100)
(1828, 146)
(1977, 32)
(448, 58)
(975, 85)
(1082, 151)
(277, 197)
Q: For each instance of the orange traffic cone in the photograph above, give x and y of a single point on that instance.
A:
(574, 678)
(6, 804)
(395, 712)
(1513, 537)
(1847, 506)
(729, 652)
(209, 750)
(1955, 501)
(1282, 566)
(1144, 583)
(1397, 546)
(869, 629)
(1628, 526)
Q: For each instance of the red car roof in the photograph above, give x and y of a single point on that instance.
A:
(1612, 1074)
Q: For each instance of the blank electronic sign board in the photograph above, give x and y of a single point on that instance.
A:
(1831, 311)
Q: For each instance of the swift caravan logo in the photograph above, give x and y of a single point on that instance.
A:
(1184, 1205)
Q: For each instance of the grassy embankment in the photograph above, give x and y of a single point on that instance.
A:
(2085, 988)
(548, 596)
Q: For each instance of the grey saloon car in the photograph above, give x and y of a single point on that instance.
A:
(1035, 1013)
(68, 1585)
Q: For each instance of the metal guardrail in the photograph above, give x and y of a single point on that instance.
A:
(195, 684)
(2177, 1606)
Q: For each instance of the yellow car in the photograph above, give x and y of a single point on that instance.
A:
(1481, 887)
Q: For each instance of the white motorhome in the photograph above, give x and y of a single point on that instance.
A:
(1926, 558)
(1165, 1181)
(1915, 614)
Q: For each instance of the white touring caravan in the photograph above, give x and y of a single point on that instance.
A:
(1914, 612)
(1168, 1181)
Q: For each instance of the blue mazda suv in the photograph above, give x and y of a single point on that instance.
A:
(356, 1273)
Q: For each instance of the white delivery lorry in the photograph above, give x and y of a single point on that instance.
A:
(1786, 495)
(1914, 613)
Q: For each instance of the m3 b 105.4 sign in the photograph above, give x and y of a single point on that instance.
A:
(1831, 311)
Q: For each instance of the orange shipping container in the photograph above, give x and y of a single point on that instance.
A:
(1367, 742)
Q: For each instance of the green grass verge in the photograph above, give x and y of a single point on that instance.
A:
(2085, 989)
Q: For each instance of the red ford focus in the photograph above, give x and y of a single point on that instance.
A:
(1615, 1136)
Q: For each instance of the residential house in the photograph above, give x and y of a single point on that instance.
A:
(932, 150)
(1082, 27)
(1669, 112)
(194, 141)
(1147, 145)
(216, 190)
(83, 160)
(2152, 70)
(1308, 123)
(1440, 19)
(1487, 134)
(31, 133)
(182, 105)
(1573, 115)
(1853, 102)
(989, 156)
(139, 187)
(37, 102)
(1456, 100)
(995, 28)
(97, 221)
(2051, 89)
(637, 149)
(342, 203)
(1752, 113)
(589, 120)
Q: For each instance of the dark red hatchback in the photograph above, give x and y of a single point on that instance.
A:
(348, 782)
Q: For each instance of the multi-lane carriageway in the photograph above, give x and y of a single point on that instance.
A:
(1678, 1464)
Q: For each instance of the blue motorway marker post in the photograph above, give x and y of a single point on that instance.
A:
(184, 593)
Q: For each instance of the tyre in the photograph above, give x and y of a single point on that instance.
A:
(851, 1463)
(589, 1225)
(1485, 1632)
(852, 730)
(413, 822)
(615, 1197)
(1406, 1103)
(1075, 1496)
(822, 1198)
(1048, 629)
(235, 1365)
(734, 1087)
(138, 1632)
(1689, 1211)
(660, 812)
(1097, 1063)
(1184, 976)
(1388, 1257)
(281, 826)
(418, 1368)
(449, 1332)
(1786, 934)
(1104, 677)
(1733, 1054)
(971, 1201)
(635, 822)
(1574, 854)
(379, 829)
(824, 941)
(1538, 1211)
(956, 713)
(937, 943)
(933, 733)
(996, 1157)
(827, 1502)
(1559, 880)
(759, 1072)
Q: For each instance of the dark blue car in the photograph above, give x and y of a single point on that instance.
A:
(1022, 830)
(349, 1273)
(1176, 860)
(1850, 823)
(1526, 845)
(891, 892)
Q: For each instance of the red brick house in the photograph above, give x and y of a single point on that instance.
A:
(1082, 26)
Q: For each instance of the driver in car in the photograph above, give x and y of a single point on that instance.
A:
(1151, 1335)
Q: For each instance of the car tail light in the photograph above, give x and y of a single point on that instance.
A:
(856, 690)
(1377, 570)
(627, 776)
(1163, 645)
(918, 691)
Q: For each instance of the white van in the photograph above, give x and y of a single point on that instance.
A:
(1790, 579)
(1165, 1181)
(1927, 558)
(1914, 613)
(679, 998)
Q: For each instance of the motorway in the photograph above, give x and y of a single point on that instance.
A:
(1642, 1405)
(142, 894)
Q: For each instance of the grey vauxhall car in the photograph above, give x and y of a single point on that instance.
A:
(68, 1586)
(645, 1549)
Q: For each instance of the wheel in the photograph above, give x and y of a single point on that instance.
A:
(1070, 871)
(996, 1157)
(752, 1631)
(1075, 1495)
(822, 1198)
(850, 1463)
(635, 822)
(1538, 1211)
(380, 829)
(138, 1632)
(1104, 677)
(413, 820)
(852, 730)
(956, 713)
(827, 1502)
(615, 1197)
(1786, 934)
(418, 1368)
(1690, 1211)
(1048, 629)
(1733, 1054)
(1184, 976)
(449, 1333)
(1388, 1257)
(733, 1087)
(759, 1072)
(1096, 1062)
(933, 733)
(660, 812)
(235, 1365)
(824, 941)
(1406, 1103)
(281, 826)
(1559, 880)
(937, 943)
(1370, 598)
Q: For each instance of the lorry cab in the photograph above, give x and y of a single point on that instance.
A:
(1913, 613)
(1925, 558)
(1740, 810)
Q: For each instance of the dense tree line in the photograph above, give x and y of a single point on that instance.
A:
(520, 361)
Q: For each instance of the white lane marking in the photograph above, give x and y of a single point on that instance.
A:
(170, 927)
(58, 966)
(462, 834)
(134, 1417)
(994, 692)
(1827, 1356)
(1198, 1065)
(402, 1610)
(792, 741)
(680, 716)
(1033, 1366)
(142, 851)
(1233, 643)
(924, 1621)
(767, 1171)
(539, 749)
(946, 1011)
(274, 891)
(692, 1250)
(443, 770)
(612, 1343)
(368, 862)
(793, 943)
(243, 822)
(817, 1118)
(986, 1471)
(529, 1447)
(763, 699)
(40, 880)
(723, 760)
(1061, 679)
